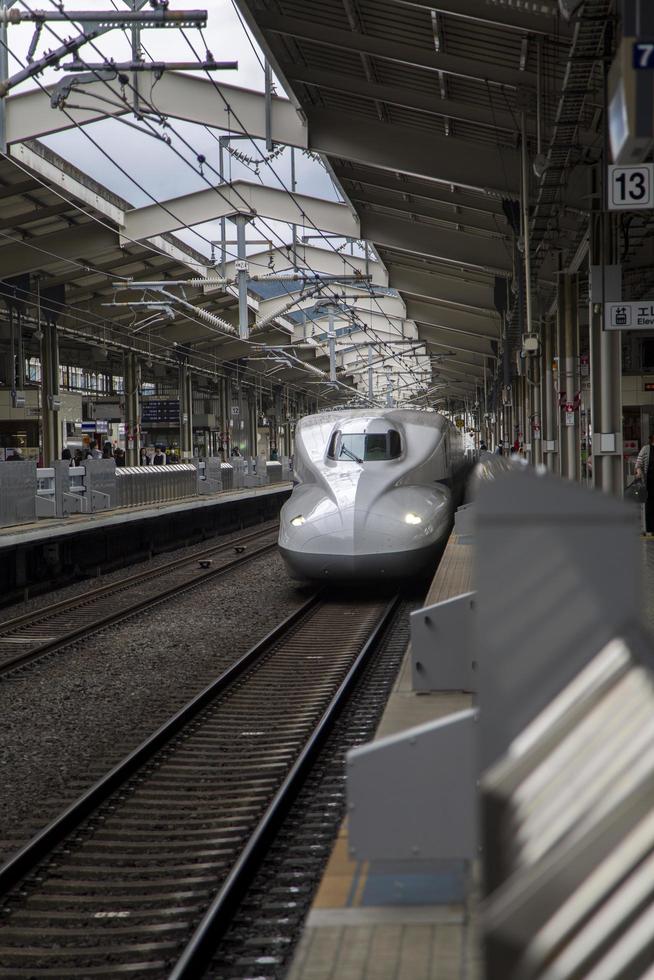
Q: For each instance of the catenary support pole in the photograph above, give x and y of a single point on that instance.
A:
(370, 383)
(331, 342)
(240, 221)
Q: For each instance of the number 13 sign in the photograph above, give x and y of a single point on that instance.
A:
(631, 188)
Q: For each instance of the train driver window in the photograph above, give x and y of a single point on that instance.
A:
(362, 447)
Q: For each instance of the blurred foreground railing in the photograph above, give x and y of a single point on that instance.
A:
(547, 781)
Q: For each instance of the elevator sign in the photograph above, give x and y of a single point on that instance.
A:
(631, 188)
(629, 316)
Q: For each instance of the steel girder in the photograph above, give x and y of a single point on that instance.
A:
(395, 51)
(458, 248)
(240, 197)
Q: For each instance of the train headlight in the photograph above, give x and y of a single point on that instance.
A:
(298, 521)
(412, 518)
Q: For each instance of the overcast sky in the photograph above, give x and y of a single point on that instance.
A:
(149, 161)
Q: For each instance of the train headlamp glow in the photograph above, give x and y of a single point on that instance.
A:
(412, 518)
(298, 521)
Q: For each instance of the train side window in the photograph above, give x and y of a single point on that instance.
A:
(331, 449)
(394, 444)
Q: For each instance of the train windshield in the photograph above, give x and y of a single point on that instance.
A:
(365, 447)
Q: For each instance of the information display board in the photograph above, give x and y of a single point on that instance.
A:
(160, 411)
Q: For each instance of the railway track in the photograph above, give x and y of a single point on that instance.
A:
(26, 638)
(143, 874)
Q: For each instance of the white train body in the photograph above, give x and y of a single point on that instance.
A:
(373, 495)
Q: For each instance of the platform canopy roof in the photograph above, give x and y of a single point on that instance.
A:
(416, 108)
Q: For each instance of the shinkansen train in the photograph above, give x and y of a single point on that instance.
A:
(373, 496)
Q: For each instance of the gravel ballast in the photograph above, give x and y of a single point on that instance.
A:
(68, 719)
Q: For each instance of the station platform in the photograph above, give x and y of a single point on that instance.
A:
(51, 551)
(391, 921)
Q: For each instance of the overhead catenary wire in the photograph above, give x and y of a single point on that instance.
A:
(289, 192)
(265, 160)
(189, 164)
(160, 204)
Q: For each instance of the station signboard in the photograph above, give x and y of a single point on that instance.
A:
(631, 188)
(160, 411)
(629, 316)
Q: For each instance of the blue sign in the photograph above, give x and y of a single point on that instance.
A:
(644, 55)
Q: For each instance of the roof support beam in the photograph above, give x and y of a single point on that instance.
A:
(491, 169)
(192, 98)
(327, 261)
(415, 100)
(442, 316)
(394, 51)
(431, 193)
(241, 197)
(448, 289)
(535, 17)
(47, 250)
(457, 220)
(449, 246)
(443, 339)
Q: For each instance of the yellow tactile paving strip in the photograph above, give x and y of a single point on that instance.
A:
(347, 939)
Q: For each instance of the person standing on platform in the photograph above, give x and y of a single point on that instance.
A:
(159, 458)
(645, 471)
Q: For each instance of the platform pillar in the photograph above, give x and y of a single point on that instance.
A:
(569, 382)
(50, 403)
(548, 423)
(132, 377)
(185, 412)
(535, 419)
(605, 364)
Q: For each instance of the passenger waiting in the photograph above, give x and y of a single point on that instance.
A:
(159, 458)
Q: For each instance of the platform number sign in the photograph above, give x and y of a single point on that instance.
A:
(643, 55)
(631, 188)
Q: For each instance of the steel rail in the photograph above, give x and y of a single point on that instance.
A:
(222, 909)
(42, 843)
(85, 601)
(139, 820)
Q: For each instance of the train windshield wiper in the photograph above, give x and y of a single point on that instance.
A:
(348, 452)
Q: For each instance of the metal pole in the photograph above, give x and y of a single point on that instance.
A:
(331, 341)
(568, 374)
(370, 386)
(294, 226)
(539, 97)
(49, 388)
(243, 327)
(223, 233)
(267, 71)
(136, 56)
(525, 220)
(536, 421)
(4, 74)
(547, 395)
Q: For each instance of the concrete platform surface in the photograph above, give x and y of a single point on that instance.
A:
(49, 528)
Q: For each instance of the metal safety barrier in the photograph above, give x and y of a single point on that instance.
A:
(137, 485)
(549, 778)
(28, 493)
